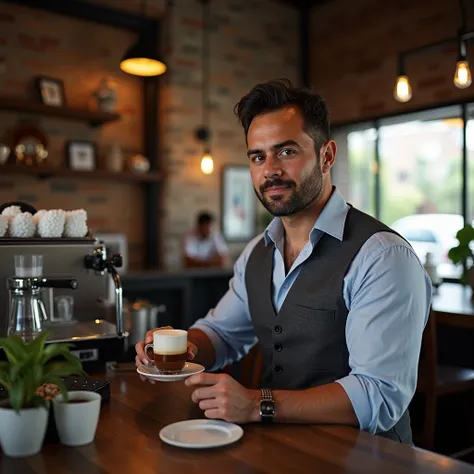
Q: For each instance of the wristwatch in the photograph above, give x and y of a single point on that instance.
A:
(267, 406)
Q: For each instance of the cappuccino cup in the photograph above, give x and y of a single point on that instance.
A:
(170, 349)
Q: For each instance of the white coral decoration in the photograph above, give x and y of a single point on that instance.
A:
(3, 226)
(22, 225)
(11, 211)
(76, 223)
(51, 223)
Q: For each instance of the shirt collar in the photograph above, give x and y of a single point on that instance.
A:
(331, 221)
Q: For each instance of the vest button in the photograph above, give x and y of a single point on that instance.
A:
(278, 329)
(278, 369)
(278, 347)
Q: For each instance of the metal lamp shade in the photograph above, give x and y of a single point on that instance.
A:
(141, 60)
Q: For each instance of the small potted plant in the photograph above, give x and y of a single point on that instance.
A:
(463, 254)
(24, 414)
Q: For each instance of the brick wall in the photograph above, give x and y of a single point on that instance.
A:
(355, 46)
(251, 41)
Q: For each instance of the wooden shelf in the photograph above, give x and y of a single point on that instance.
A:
(45, 171)
(93, 117)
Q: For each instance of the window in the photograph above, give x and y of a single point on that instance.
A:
(425, 151)
(470, 162)
(355, 164)
(420, 164)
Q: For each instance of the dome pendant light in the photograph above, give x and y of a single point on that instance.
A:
(142, 59)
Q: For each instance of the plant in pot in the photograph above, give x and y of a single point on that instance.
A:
(463, 254)
(24, 414)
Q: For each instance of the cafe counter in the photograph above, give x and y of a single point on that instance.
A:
(127, 441)
(187, 294)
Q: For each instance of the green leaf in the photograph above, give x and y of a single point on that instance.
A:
(14, 348)
(54, 350)
(36, 401)
(63, 369)
(22, 368)
(5, 380)
(36, 346)
(465, 235)
(17, 392)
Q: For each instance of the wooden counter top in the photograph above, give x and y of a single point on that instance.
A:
(127, 441)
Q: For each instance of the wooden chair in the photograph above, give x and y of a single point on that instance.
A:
(435, 381)
(248, 371)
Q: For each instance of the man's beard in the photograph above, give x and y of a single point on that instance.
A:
(302, 196)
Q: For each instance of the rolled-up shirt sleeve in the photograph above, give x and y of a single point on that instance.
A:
(389, 307)
(229, 325)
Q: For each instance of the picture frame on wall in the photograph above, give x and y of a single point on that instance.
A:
(81, 155)
(51, 91)
(238, 204)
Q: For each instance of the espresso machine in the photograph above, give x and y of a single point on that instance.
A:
(74, 270)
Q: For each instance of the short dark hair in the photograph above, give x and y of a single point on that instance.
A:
(205, 218)
(274, 95)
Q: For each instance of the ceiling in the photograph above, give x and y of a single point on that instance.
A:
(300, 4)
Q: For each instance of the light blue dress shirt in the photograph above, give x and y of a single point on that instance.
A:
(388, 295)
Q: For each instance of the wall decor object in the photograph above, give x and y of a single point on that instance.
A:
(29, 145)
(81, 155)
(238, 204)
(114, 160)
(51, 91)
(139, 164)
(106, 96)
(4, 153)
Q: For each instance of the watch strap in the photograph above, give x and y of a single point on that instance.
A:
(267, 405)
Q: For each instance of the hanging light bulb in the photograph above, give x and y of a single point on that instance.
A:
(402, 91)
(207, 163)
(462, 75)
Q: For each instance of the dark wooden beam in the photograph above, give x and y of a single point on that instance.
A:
(151, 89)
(90, 12)
(304, 41)
(302, 4)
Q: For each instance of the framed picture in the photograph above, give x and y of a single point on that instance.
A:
(238, 204)
(81, 155)
(51, 91)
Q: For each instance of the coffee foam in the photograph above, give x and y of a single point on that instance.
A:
(170, 342)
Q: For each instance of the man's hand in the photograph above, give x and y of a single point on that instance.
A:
(221, 396)
(142, 359)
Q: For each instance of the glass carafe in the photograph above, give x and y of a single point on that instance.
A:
(26, 309)
(27, 313)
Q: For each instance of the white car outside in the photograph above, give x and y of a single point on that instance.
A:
(434, 233)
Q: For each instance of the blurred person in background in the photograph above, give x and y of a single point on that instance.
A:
(204, 246)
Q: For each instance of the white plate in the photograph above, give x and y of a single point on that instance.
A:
(152, 373)
(200, 434)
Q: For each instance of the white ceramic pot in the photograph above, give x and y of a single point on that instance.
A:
(77, 422)
(22, 433)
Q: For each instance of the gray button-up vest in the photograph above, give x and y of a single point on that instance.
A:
(304, 345)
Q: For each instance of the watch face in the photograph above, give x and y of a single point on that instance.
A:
(267, 408)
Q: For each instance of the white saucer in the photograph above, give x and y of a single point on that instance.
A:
(201, 434)
(152, 373)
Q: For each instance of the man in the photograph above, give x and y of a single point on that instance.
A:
(204, 247)
(337, 301)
